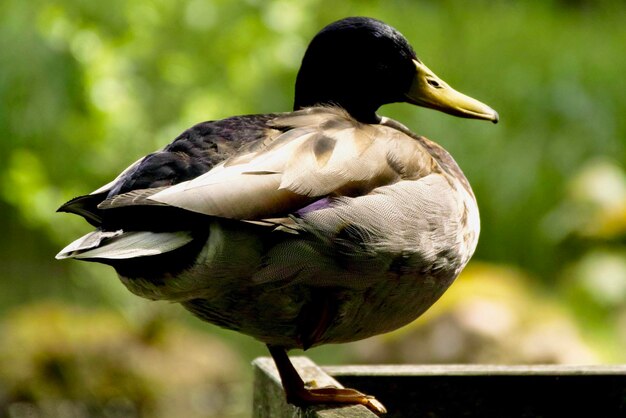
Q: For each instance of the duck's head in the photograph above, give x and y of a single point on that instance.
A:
(360, 64)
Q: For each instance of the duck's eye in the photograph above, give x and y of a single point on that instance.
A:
(434, 83)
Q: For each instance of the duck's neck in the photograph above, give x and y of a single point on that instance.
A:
(364, 114)
(322, 88)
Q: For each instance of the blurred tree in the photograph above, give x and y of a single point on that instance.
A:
(88, 87)
(91, 363)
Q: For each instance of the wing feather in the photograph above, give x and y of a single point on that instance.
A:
(119, 244)
(113, 182)
(324, 152)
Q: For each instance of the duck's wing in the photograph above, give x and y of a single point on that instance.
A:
(192, 153)
(305, 160)
(311, 154)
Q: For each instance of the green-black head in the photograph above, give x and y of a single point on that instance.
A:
(360, 64)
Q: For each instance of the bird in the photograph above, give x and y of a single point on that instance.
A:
(326, 224)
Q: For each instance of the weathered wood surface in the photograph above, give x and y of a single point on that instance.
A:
(492, 391)
(269, 398)
(475, 370)
(455, 391)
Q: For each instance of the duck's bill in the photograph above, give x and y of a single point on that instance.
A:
(428, 90)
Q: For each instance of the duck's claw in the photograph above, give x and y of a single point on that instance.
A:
(298, 394)
(302, 396)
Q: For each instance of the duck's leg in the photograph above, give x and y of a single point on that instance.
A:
(298, 394)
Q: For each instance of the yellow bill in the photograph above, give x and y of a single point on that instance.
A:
(430, 91)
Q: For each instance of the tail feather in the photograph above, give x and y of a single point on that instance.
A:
(86, 206)
(119, 245)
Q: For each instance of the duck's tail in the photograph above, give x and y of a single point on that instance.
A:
(102, 245)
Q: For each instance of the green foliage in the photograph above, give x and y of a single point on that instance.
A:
(86, 88)
(91, 363)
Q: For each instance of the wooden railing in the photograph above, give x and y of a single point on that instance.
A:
(453, 391)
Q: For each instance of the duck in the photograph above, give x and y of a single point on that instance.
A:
(326, 224)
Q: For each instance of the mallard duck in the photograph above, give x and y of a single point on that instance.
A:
(327, 224)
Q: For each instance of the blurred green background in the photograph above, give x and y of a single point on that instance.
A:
(88, 87)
